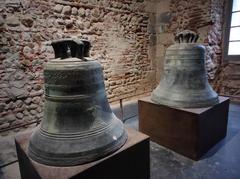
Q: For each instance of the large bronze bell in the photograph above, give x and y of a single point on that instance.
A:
(184, 82)
(78, 124)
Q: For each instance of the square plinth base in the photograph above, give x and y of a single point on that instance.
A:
(190, 132)
(130, 161)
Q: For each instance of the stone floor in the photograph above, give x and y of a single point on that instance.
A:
(221, 162)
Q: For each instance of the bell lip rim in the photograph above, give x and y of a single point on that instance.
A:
(186, 104)
(62, 161)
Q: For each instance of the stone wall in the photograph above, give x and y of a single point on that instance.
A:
(227, 81)
(118, 31)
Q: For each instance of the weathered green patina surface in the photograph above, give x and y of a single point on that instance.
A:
(184, 82)
(78, 124)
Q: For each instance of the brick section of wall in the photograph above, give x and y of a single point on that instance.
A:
(227, 81)
(214, 40)
(118, 31)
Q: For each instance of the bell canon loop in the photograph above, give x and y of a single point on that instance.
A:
(78, 124)
(184, 83)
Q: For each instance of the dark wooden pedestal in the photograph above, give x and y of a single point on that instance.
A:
(190, 132)
(130, 161)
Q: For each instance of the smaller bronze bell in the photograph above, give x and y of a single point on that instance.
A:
(78, 124)
(184, 82)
